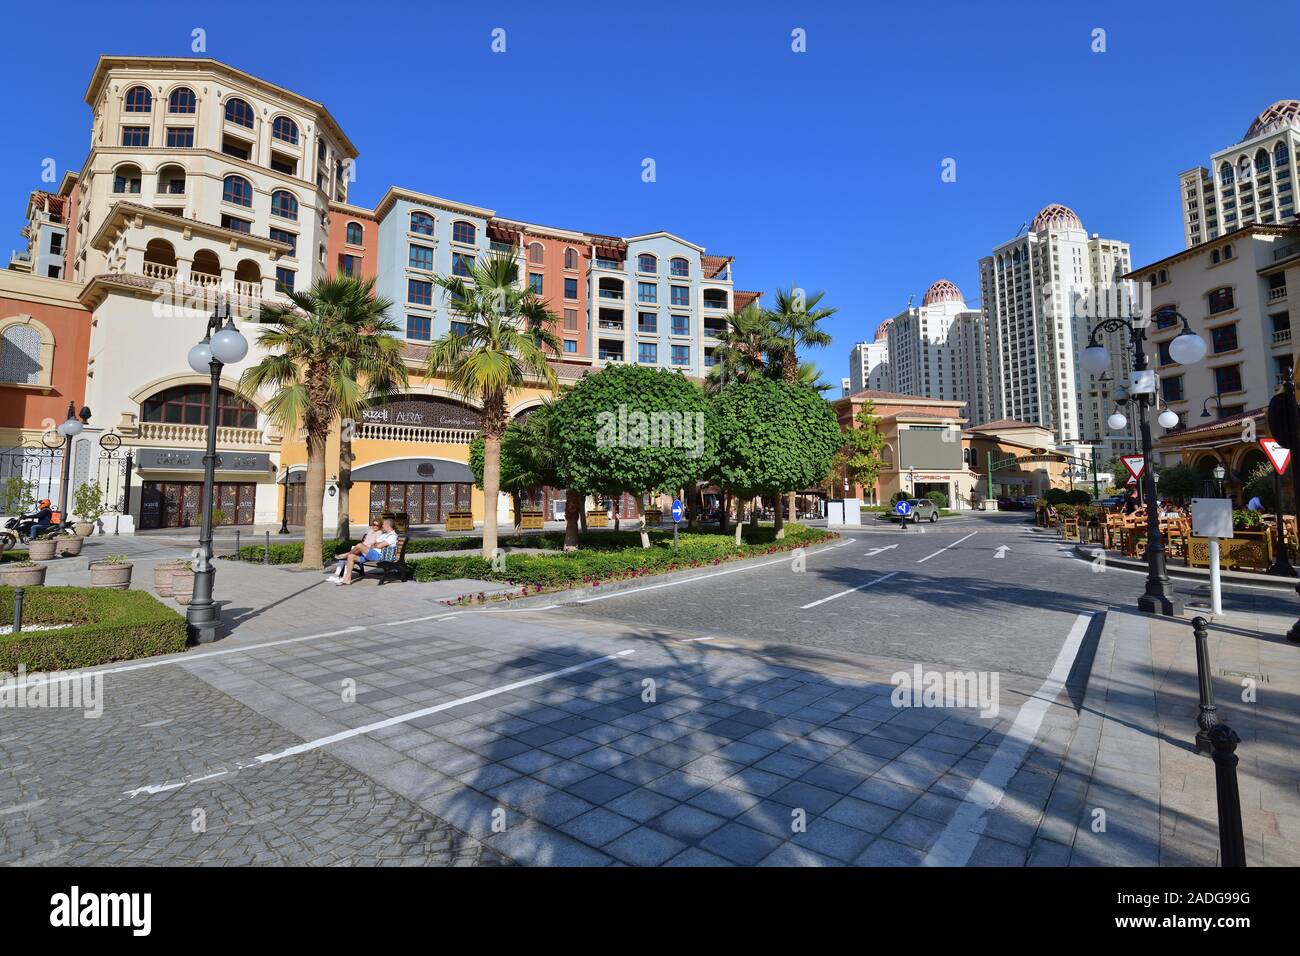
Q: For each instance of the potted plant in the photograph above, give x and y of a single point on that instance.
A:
(69, 545)
(42, 549)
(22, 574)
(164, 575)
(112, 571)
(88, 505)
(182, 582)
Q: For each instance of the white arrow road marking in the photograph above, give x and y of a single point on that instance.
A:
(319, 742)
(875, 551)
(883, 577)
(1001, 552)
(942, 550)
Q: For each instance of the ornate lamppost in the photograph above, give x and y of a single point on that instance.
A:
(69, 430)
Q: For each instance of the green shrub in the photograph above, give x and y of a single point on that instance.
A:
(1077, 497)
(1055, 496)
(111, 625)
(1243, 519)
(14, 554)
(939, 498)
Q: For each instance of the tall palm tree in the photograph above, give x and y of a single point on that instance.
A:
(499, 341)
(744, 347)
(329, 353)
(795, 318)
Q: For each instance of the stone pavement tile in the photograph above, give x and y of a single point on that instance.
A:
(786, 765)
(806, 796)
(530, 761)
(879, 746)
(991, 852)
(928, 758)
(1047, 853)
(713, 767)
(792, 854)
(740, 844)
(833, 778)
(911, 775)
(835, 840)
(678, 785)
(773, 818)
(597, 827)
(868, 817)
(600, 788)
(694, 856)
(559, 774)
(642, 805)
(957, 746)
(758, 782)
(935, 806)
(952, 785)
(914, 831)
(533, 844)
(883, 852)
(723, 801)
(886, 793)
(688, 823)
(638, 771)
(644, 847)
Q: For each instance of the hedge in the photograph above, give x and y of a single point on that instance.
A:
(14, 554)
(291, 552)
(112, 625)
(535, 572)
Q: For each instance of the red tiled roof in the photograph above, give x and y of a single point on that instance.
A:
(900, 397)
(712, 265)
(1003, 423)
(1260, 412)
(743, 299)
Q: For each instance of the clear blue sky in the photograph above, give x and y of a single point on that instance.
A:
(821, 168)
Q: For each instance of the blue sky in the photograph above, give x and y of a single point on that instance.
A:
(820, 168)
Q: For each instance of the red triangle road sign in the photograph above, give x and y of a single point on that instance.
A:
(1131, 481)
(1278, 455)
(1135, 464)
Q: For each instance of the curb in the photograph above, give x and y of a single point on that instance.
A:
(1267, 581)
(555, 598)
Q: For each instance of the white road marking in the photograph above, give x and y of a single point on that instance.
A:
(883, 577)
(416, 620)
(959, 837)
(1001, 552)
(875, 551)
(942, 550)
(310, 745)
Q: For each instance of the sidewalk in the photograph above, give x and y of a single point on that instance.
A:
(1132, 790)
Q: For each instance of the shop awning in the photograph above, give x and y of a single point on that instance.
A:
(414, 470)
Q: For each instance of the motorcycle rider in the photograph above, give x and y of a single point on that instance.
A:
(44, 516)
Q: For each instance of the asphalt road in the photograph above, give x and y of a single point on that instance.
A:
(983, 591)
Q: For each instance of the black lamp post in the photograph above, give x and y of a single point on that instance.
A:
(284, 522)
(69, 430)
(1186, 349)
(221, 345)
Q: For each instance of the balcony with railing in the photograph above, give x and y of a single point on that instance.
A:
(1282, 337)
(1277, 294)
(417, 434)
(713, 329)
(169, 433)
(611, 265)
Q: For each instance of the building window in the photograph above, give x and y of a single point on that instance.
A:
(1165, 357)
(285, 130)
(355, 234)
(536, 253)
(1224, 338)
(237, 190)
(462, 265)
(463, 232)
(1220, 300)
(680, 295)
(647, 323)
(1227, 252)
(291, 239)
(570, 346)
(284, 205)
(20, 355)
(419, 327)
(126, 180)
(420, 257)
(180, 137)
(681, 355)
(284, 279)
(349, 265)
(647, 292)
(1164, 319)
(1172, 388)
(570, 288)
(1227, 378)
(535, 282)
(235, 223)
(181, 100)
(422, 223)
(570, 320)
(570, 258)
(459, 327)
(139, 100)
(679, 267)
(188, 405)
(419, 292)
(647, 353)
(647, 263)
(239, 113)
(135, 136)
(681, 325)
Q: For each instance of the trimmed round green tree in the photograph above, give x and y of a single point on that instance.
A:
(634, 429)
(772, 436)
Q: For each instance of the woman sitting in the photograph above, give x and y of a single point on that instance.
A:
(360, 549)
(382, 546)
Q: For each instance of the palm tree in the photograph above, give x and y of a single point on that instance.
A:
(329, 353)
(499, 340)
(743, 347)
(795, 319)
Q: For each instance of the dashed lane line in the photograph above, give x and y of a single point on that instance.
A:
(942, 550)
(883, 577)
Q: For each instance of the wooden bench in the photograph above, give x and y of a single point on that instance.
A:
(394, 570)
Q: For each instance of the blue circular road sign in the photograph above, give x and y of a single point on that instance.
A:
(903, 508)
(677, 510)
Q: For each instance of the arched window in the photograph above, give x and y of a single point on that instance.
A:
(356, 235)
(285, 130)
(139, 100)
(21, 354)
(570, 258)
(1226, 176)
(239, 113)
(536, 253)
(284, 205)
(1280, 154)
(238, 190)
(126, 179)
(422, 223)
(647, 263)
(680, 267)
(188, 405)
(181, 101)
(463, 232)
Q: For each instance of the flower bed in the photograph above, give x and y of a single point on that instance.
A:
(108, 625)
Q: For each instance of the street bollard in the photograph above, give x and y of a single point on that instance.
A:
(1208, 715)
(266, 552)
(1232, 843)
(239, 554)
(18, 609)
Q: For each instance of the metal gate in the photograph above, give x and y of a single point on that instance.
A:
(113, 474)
(29, 473)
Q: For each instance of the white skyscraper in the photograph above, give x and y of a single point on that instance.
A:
(938, 350)
(869, 364)
(1042, 293)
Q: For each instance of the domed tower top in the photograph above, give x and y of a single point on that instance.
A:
(1056, 216)
(882, 331)
(942, 291)
(1280, 115)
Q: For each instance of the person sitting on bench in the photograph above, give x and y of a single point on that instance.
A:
(360, 549)
(381, 549)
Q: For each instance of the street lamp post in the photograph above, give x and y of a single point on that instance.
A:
(1187, 348)
(68, 430)
(221, 345)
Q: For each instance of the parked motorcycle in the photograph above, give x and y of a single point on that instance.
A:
(18, 530)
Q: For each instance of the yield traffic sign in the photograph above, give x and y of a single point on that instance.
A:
(1278, 455)
(1135, 464)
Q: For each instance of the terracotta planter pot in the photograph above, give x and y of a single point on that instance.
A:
(22, 577)
(182, 584)
(69, 546)
(163, 573)
(42, 549)
(84, 528)
(111, 575)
